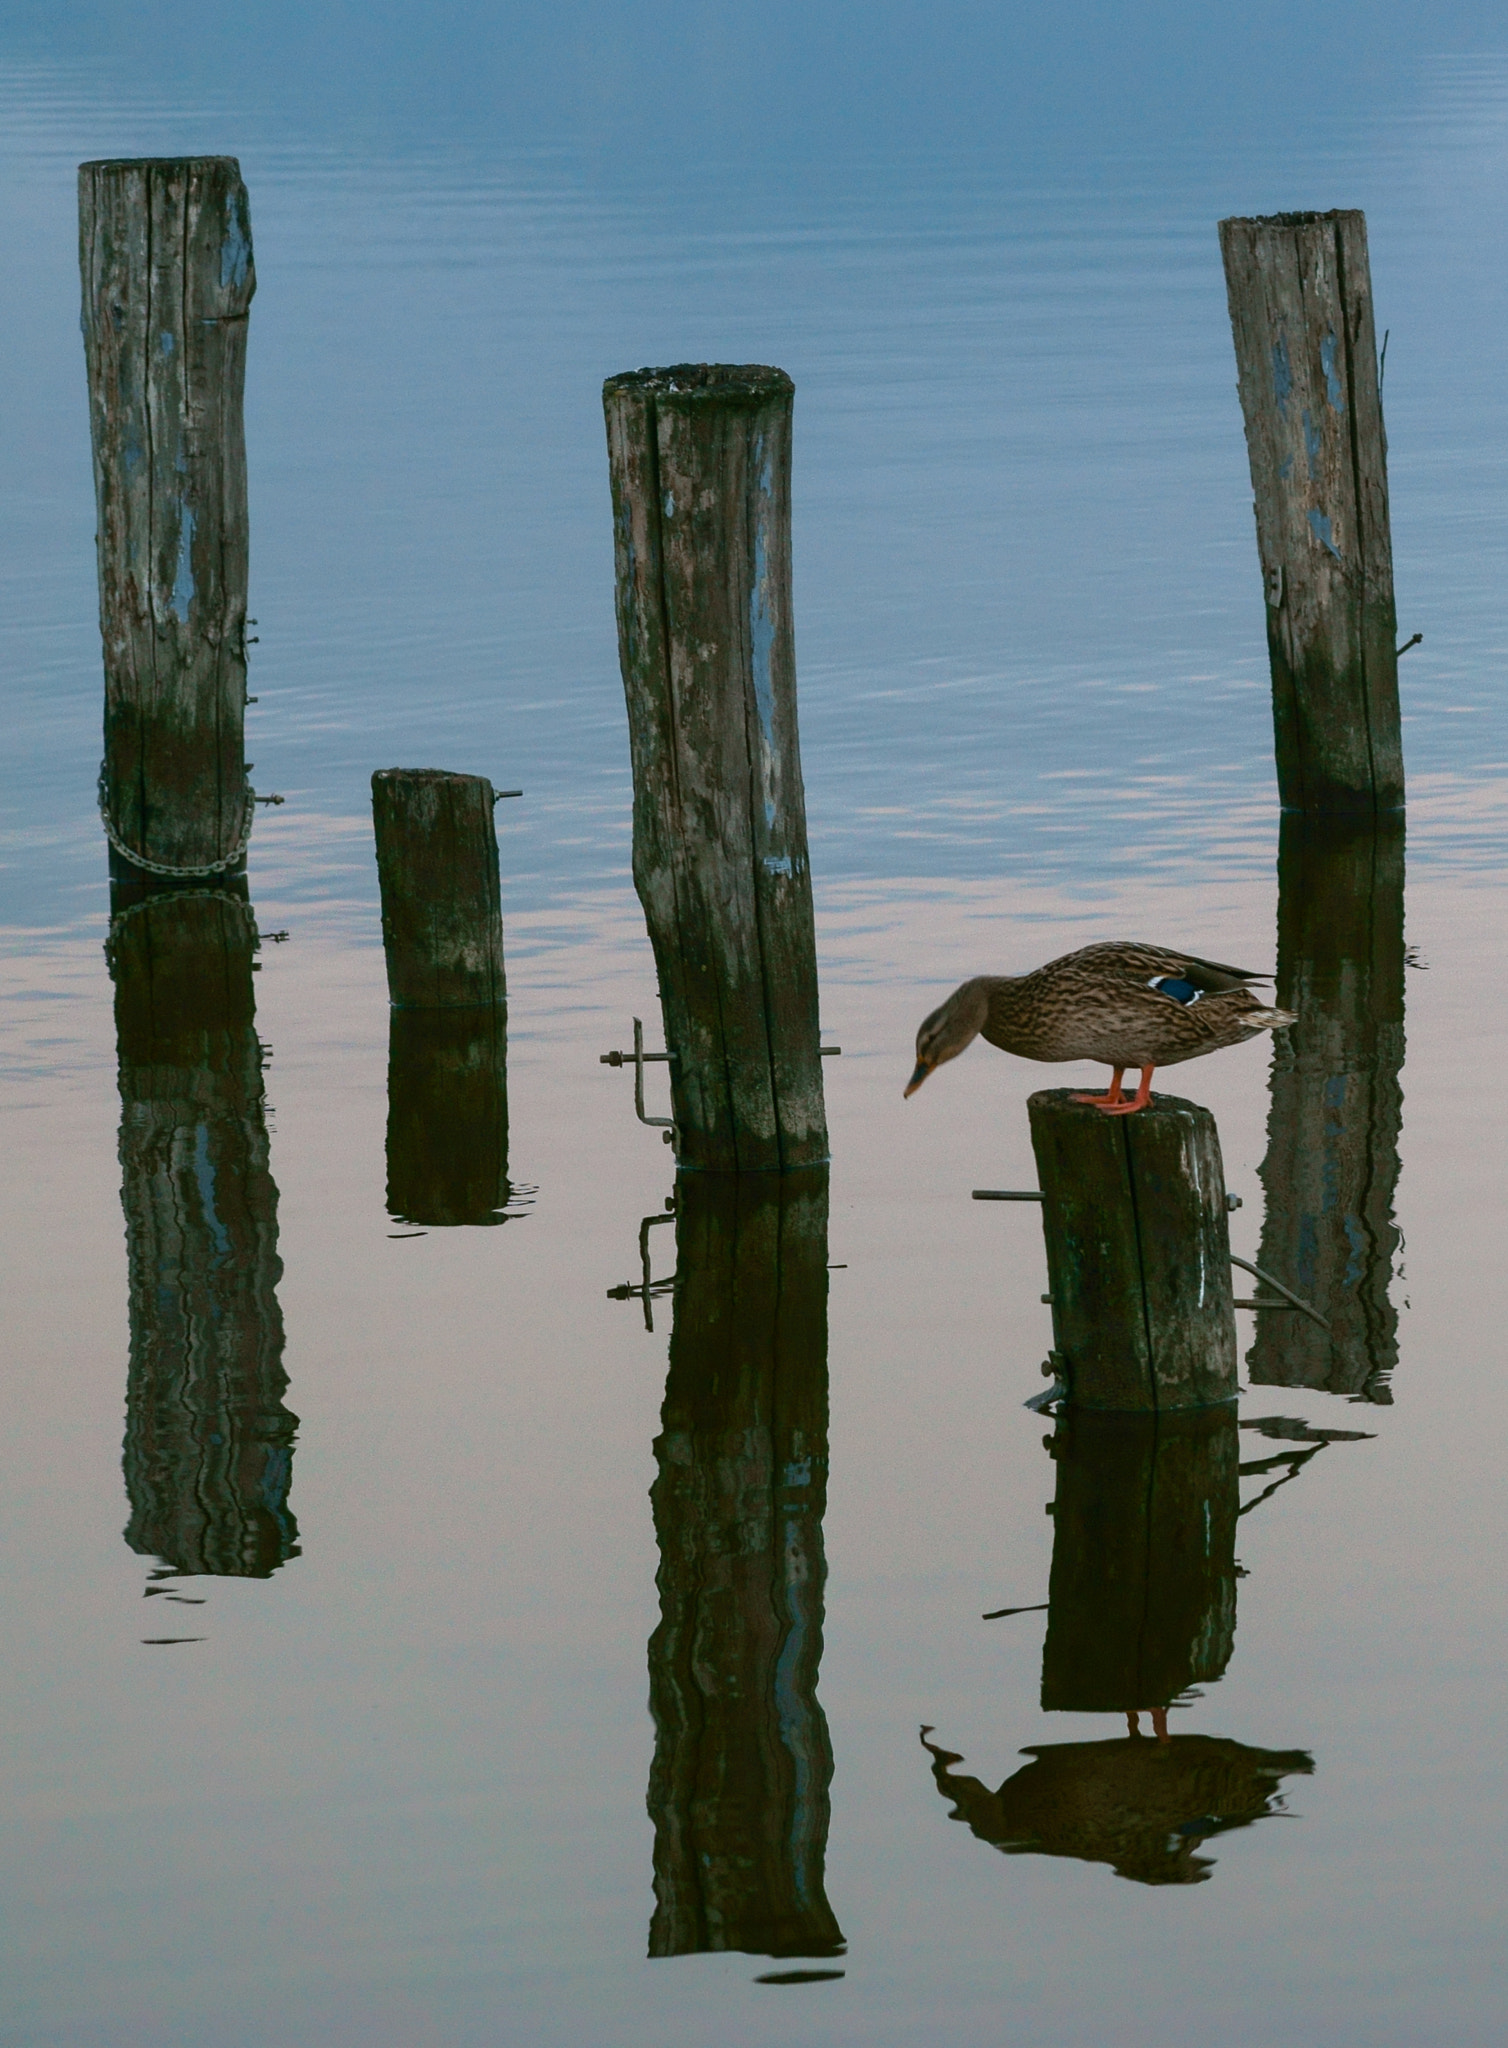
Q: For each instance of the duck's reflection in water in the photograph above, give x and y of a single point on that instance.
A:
(1331, 1166)
(447, 1116)
(1144, 1807)
(1141, 1610)
(208, 1452)
(738, 1791)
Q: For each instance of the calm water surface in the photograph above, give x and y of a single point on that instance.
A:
(417, 1635)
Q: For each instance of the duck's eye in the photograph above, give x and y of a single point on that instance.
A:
(1171, 985)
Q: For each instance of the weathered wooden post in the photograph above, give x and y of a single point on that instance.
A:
(442, 913)
(1331, 1167)
(165, 256)
(1138, 1252)
(208, 1454)
(700, 458)
(447, 1116)
(738, 1790)
(1300, 292)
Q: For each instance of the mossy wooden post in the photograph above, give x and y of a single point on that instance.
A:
(700, 459)
(165, 256)
(1138, 1252)
(1300, 291)
(442, 913)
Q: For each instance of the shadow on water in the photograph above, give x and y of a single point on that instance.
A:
(208, 1454)
(1141, 1613)
(738, 1790)
(1331, 1167)
(447, 1116)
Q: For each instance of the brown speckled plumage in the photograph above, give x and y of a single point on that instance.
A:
(1099, 1004)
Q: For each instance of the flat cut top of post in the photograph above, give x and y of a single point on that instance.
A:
(160, 163)
(734, 384)
(1290, 220)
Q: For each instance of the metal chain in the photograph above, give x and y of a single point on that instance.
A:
(121, 917)
(162, 867)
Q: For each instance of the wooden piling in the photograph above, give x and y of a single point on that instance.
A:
(700, 460)
(442, 914)
(208, 1453)
(447, 1116)
(1138, 1252)
(166, 263)
(1300, 292)
(1331, 1167)
(738, 1790)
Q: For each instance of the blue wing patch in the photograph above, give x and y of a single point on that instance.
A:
(1180, 991)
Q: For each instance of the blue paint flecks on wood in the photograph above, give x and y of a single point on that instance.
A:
(167, 344)
(1319, 526)
(183, 583)
(1327, 363)
(235, 250)
(778, 863)
(1311, 446)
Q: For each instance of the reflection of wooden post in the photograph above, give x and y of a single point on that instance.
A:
(1142, 1599)
(447, 1115)
(442, 910)
(1332, 1132)
(209, 1444)
(1300, 292)
(738, 1790)
(1138, 1252)
(700, 459)
(165, 252)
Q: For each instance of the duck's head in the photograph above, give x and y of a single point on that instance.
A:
(953, 1026)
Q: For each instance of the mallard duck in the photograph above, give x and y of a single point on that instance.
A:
(1127, 1004)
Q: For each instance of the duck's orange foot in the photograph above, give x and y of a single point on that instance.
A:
(1111, 1096)
(1115, 1104)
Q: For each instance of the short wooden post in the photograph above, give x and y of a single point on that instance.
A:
(700, 458)
(208, 1453)
(447, 1116)
(442, 914)
(1331, 1167)
(1138, 1252)
(1300, 293)
(1142, 1599)
(738, 1789)
(165, 256)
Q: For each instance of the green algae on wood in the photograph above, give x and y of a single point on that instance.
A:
(700, 463)
(166, 264)
(1300, 294)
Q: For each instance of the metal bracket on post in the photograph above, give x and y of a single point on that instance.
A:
(637, 1059)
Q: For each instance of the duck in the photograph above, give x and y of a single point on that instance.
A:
(1122, 1002)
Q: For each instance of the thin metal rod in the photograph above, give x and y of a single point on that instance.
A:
(1007, 1195)
(1286, 1292)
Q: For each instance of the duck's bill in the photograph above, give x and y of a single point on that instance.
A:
(922, 1071)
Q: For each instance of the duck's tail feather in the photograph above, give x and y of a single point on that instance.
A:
(1268, 1020)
